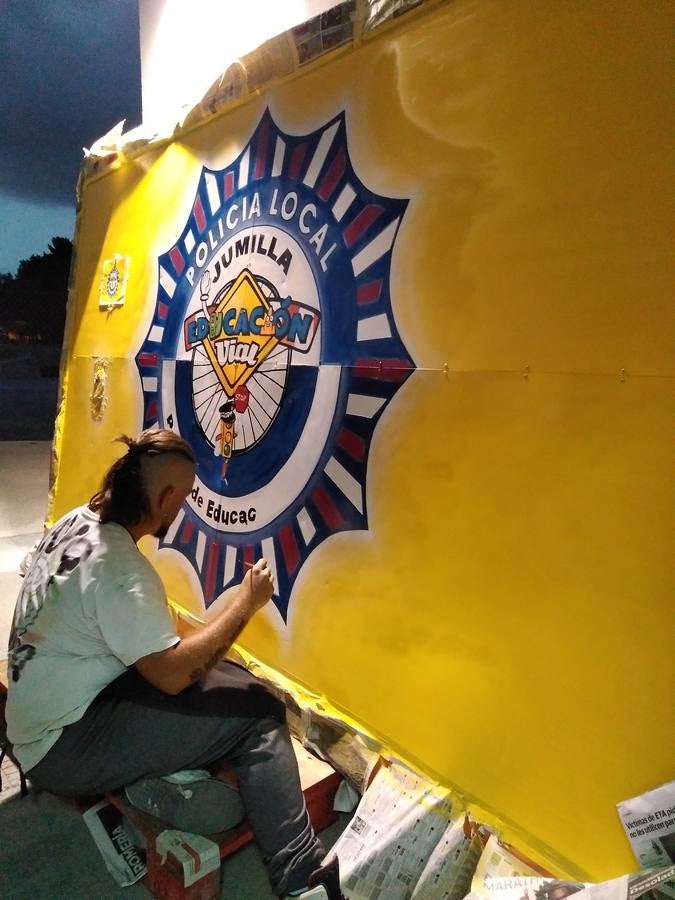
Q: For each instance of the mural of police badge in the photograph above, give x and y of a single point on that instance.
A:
(273, 351)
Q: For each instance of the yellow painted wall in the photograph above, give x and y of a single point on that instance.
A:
(507, 621)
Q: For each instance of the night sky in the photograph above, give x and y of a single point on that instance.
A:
(69, 70)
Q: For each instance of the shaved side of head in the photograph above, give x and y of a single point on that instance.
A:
(144, 489)
(166, 471)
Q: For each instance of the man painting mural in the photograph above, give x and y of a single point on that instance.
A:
(103, 692)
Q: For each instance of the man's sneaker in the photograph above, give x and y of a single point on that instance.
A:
(324, 883)
(189, 801)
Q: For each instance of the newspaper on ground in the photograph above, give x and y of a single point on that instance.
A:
(649, 823)
(502, 874)
(654, 884)
(121, 849)
(650, 884)
(400, 820)
(448, 872)
(500, 860)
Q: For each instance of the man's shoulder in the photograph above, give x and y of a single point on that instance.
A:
(122, 562)
(78, 521)
(110, 549)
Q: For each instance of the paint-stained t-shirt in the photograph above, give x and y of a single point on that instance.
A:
(90, 606)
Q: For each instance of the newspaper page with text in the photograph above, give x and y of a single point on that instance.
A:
(649, 823)
(398, 823)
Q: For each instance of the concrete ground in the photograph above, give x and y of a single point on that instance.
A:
(24, 484)
(46, 851)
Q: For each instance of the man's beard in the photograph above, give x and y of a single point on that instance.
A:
(161, 532)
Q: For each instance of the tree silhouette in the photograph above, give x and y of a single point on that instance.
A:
(33, 303)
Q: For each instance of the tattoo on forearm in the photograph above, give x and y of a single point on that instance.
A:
(216, 657)
(213, 660)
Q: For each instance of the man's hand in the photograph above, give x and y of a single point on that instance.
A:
(174, 669)
(258, 585)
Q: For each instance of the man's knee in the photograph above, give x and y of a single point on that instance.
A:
(233, 691)
(263, 741)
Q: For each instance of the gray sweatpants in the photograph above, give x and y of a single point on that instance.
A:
(133, 730)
